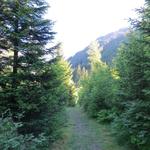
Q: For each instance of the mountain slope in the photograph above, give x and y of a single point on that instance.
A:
(110, 44)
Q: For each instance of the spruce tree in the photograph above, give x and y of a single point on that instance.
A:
(67, 86)
(24, 34)
(134, 83)
(94, 54)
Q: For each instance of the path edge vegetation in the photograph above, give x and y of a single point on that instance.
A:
(35, 80)
(104, 134)
(35, 90)
(119, 95)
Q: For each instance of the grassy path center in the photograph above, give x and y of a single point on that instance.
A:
(83, 133)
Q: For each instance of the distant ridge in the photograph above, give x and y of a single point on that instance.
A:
(110, 44)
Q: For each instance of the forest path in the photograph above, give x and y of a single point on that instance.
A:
(83, 133)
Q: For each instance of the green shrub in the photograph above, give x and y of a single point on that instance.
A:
(105, 116)
(10, 139)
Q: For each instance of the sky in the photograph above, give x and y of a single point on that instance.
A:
(78, 22)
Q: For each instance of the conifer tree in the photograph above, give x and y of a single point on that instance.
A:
(94, 54)
(68, 90)
(134, 86)
(79, 74)
(24, 33)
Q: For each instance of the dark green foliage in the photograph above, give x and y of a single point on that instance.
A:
(10, 139)
(22, 86)
(133, 65)
(106, 116)
(122, 97)
(31, 85)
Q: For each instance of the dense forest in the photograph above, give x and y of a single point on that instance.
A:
(120, 95)
(33, 89)
(37, 83)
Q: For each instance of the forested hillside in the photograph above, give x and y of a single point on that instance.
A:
(110, 44)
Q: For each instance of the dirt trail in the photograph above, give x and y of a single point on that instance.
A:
(83, 133)
(84, 136)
